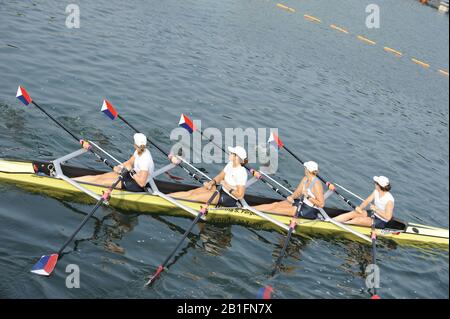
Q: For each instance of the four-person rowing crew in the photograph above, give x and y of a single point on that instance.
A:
(233, 180)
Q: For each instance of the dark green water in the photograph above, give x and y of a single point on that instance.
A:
(354, 108)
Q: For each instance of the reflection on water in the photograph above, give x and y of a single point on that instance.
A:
(215, 239)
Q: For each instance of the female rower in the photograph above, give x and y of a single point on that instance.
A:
(140, 167)
(232, 178)
(383, 206)
(310, 188)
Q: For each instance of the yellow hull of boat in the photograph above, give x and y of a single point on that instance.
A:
(21, 173)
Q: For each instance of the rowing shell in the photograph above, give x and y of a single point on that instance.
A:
(23, 173)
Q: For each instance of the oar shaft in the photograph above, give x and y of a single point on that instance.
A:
(193, 175)
(97, 205)
(86, 218)
(186, 233)
(288, 237)
(346, 200)
(374, 253)
(70, 133)
(202, 212)
(262, 177)
(55, 121)
(137, 131)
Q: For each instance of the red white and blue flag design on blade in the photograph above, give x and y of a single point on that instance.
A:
(45, 265)
(109, 110)
(265, 292)
(23, 96)
(187, 123)
(275, 140)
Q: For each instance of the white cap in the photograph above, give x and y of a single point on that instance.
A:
(140, 139)
(383, 181)
(239, 151)
(311, 166)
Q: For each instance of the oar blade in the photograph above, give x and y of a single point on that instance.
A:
(187, 123)
(23, 95)
(156, 275)
(275, 140)
(45, 265)
(265, 293)
(109, 110)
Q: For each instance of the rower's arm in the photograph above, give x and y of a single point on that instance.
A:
(141, 178)
(128, 164)
(299, 190)
(367, 201)
(219, 177)
(215, 181)
(239, 192)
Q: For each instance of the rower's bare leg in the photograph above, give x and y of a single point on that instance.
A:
(103, 179)
(200, 194)
(361, 221)
(347, 216)
(283, 207)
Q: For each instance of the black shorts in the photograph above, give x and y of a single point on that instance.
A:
(129, 184)
(307, 212)
(380, 224)
(226, 200)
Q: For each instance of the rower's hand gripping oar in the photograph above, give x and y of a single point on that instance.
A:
(288, 237)
(47, 263)
(25, 98)
(203, 211)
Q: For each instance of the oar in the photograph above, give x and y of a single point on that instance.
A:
(274, 139)
(288, 237)
(201, 213)
(109, 110)
(47, 263)
(188, 124)
(373, 236)
(23, 96)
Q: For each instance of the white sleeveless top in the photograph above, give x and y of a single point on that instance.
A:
(144, 162)
(235, 176)
(309, 191)
(381, 203)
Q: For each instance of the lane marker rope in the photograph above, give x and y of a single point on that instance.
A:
(335, 27)
(421, 63)
(397, 53)
(282, 6)
(443, 72)
(364, 39)
(312, 18)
